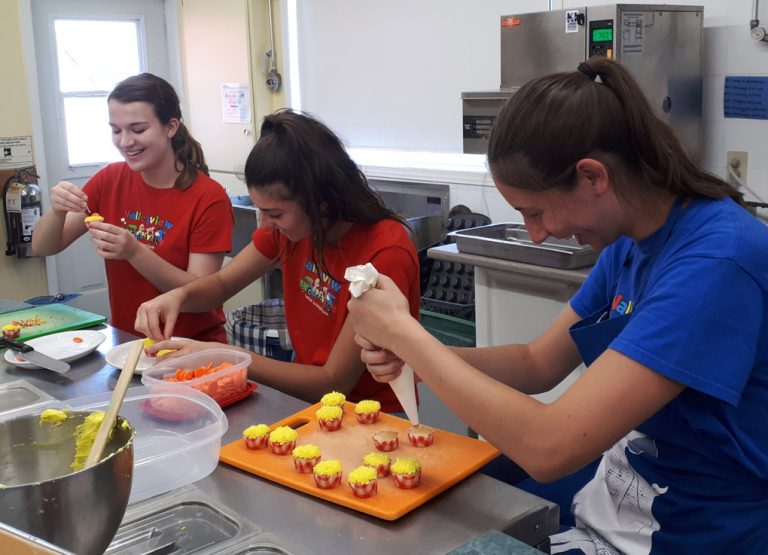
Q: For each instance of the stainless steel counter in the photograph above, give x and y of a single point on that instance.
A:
(304, 524)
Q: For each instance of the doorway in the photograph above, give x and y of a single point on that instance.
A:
(82, 49)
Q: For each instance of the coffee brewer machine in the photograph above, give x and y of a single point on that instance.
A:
(661, 45)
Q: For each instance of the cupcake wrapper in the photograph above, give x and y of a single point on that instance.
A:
(382, 470)
(12, 334)
(327, 482)
(330, 425)
(367, 418)
(388, 445)
(407, 481)
(305, 466)
(256, 442)
(282, 448)
(421, 441)
(364, 490)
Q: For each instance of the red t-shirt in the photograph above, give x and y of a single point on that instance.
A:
(172, 223)
(316, 304)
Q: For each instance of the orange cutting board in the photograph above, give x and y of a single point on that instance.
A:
(450, 459)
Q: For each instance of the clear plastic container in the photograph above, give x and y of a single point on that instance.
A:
(222, 385)
(178, 435)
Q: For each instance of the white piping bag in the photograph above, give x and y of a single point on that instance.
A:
(361, 279)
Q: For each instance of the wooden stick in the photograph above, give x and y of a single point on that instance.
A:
(102, 435)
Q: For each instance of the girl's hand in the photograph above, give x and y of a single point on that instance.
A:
(113, 242)
(157, 318)
(181, 347)
(383, 365)
(67, 197)
(380, 313)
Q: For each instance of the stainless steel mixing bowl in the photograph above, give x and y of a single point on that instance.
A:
(42, 495)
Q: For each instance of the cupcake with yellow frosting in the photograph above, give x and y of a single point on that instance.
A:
(333, 399)
(256, 437)
(327, 474)
(95, 217)
(329, 417)
(378, 461)
(305, 457)
(367, 412)
(282, 440)
(406, 473)
(362, 481)
(11, 331)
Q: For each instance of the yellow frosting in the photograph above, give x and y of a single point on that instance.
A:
(53, 417)
(376, 459)
(405, 466)
(149, 342)
(367, 407)
(11, 327)
(329, 412)
(328, 468)
(362, 475)
(253, 432)
(307, 451)
(283, 434)
(334, 398)
(95, 217)
(85, 434)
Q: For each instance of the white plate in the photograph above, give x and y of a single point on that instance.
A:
(61, 346)
(116, 356)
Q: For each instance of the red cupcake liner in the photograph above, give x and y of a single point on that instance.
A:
(282, 448)
(256, 442)
(407, 481)
(386, 445)
(364, 490)
(305, 466)
(12, 334)
(330, 425)
(421, 440)
(327, 482)
(367, 418)
(382, 470)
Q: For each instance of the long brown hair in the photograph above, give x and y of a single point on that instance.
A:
(146, 87)
(309, 160)
(598, 111)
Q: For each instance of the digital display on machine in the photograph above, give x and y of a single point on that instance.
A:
(602, 35)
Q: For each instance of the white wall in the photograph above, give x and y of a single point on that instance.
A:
(398, 68)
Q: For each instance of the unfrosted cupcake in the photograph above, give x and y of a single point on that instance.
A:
(329, 418)
(367, 412)
(327, 474)
(256, 437)
(386, 440)
(305, 457)
(406, 473)
(421, 435)
(380, 462)
(282, 440)
(333, 399)
(363, 481)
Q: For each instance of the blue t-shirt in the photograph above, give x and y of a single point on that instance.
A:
(694, 477)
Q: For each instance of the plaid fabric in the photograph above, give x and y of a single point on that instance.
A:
(260, 328)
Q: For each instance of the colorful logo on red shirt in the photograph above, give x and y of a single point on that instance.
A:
(320, 289)
(150, 230)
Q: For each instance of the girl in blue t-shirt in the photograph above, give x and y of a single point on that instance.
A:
(663, 437)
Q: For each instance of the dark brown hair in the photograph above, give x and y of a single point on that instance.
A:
(552, 122)
(309, 160)
(146, 87)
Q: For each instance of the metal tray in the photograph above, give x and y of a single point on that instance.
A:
(511, 241)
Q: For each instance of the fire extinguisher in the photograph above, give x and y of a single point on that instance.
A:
(22, 207)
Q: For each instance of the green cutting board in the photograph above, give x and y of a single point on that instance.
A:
(47, 319)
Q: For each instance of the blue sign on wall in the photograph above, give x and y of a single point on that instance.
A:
(745, 97)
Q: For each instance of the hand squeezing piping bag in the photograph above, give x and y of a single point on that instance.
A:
(361, 279)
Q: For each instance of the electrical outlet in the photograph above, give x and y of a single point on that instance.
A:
(736, 161)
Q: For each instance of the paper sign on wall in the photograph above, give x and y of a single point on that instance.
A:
(745, 97)
(235, 105)
(15, 152)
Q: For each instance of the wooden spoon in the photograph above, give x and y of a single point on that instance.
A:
(115, 402)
